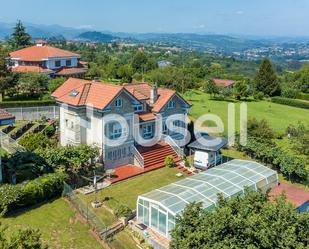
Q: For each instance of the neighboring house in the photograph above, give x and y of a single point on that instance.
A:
(6, 118)
(149, 103)
(224, 82)
(164, 63)
(45, 59)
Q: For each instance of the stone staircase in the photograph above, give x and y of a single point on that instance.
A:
(154, 156)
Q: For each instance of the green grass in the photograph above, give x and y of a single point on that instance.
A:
(58, 224)
(127, 192)
(278, 116)
(123, 240)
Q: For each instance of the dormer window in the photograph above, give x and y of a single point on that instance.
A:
(171, 104)
(74, 93)
(118, 102)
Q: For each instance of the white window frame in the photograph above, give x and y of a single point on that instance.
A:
(171, 104)
(118, 102)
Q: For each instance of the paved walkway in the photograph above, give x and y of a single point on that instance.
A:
(295, 195)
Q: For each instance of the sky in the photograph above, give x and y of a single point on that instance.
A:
(247, 17)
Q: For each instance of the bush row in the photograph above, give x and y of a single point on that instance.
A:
(13, 197)
(290, 166)
(304, 96)
(291, 102)
(27, 103)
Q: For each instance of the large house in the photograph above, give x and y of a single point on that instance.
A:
(48, 60)
(142, 107)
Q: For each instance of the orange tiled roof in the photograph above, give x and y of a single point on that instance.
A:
(71, 70)
(224, 82)
(146, 116)
(100, 95)
(142, 92)
(39, 53)
(95, 94)
(37, 69)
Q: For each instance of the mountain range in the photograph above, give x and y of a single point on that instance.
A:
(202, 42)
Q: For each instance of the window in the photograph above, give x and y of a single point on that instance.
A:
(118, 102)
(164, 126)
(57, 63)
(147, 131)
(117, 131)
(68, 63)
(171, 104)
(138, 108)
(74, 93)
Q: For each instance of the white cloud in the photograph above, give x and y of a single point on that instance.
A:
(239, 12)
(201, 26)
(86, 26)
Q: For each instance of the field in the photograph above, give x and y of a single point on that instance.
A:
(278, 116)
(59, 225)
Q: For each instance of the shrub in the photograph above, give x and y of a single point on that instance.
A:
(169, 162)
(26, 103)
(123, 211)
(258, 96)
(29, 193)
(34, 141)
(49, 130)
(303, 96)
(291, 102)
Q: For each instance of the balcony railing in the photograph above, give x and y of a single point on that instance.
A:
(167, 139)
(138, 157)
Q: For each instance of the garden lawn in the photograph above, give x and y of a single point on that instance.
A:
(58, 223)
(123, 240)
(278, 116)
(126, 192)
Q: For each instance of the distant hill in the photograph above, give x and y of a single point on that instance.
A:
(95, 36)
(41, 31)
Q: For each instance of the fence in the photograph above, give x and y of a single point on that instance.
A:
(35, 113)
(9, 144)
(83, 208)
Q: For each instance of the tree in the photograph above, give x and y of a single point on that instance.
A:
(23, 239)
(55, 83)
(125, 73)
(266, 79)
(20, 38)
(248, 221)
(5, 72)
(211, 88)
(32, 84)
(259, 129)
(241, 90)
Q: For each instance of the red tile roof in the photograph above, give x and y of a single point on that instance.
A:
(224, 82)
(146, 116)
(95, 94)
(5, 115)
(142, 92)
(71, 70)
(37, 69)
(39, 53)
(99, 95)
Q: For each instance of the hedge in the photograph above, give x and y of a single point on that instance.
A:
(27, 103)
(303, 96)
(13, 197)
(291, 102)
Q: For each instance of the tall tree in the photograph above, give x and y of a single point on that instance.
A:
(5, 72)
(266, 79)
(241, 90)
(20, 38)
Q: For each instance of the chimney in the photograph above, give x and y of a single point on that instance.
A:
(153, 94)
(41, 43)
